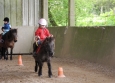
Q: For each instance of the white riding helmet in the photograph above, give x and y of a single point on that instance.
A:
(42, 21)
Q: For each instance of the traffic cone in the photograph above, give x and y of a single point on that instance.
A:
(60, 72)
(20, 60)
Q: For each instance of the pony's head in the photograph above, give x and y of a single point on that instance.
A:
(14, 33)
(49, 45)
(11, 35)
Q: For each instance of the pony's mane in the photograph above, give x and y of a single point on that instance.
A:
(13, 30)
(47, 40)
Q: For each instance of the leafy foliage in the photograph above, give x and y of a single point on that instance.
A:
(88, 12)
(59, 11)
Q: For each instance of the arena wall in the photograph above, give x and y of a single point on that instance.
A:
(96, 44)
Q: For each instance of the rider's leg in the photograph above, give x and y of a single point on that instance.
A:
(36, 47)
(1, 39)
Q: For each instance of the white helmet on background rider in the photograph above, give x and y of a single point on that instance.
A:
(42, 21)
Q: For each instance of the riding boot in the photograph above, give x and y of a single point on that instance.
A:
(34, 49)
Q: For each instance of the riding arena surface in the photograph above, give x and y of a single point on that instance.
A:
(76, 71)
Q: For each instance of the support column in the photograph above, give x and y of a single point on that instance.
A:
(71, 13)
(45, 9)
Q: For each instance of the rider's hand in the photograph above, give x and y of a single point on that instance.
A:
(37, 38)
(51, 35)
(2, 29)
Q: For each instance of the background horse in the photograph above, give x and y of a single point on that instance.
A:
(46, 51)
(9, 40)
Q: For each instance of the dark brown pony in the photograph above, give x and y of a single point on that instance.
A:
(9, 40)
(46, 51)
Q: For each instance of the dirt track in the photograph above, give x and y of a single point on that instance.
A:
(75, 71)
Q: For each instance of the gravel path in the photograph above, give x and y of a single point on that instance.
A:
(76, 71)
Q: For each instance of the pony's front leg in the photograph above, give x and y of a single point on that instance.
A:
(6, 53)
(3, 52)
(11, 51)
(49, 69)
(36, 66)
(40, 64)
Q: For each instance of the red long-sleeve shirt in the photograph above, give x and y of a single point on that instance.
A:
(42, 33)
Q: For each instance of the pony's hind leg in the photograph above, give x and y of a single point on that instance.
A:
(40, 64)
(49, 69)
(0, 54)
(36, 66)
(11, 51)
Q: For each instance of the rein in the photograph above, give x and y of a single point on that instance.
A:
(38, 49)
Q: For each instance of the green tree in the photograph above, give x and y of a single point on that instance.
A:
(83, 7)
(102, 6)
(88, 12)
(58, 12)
